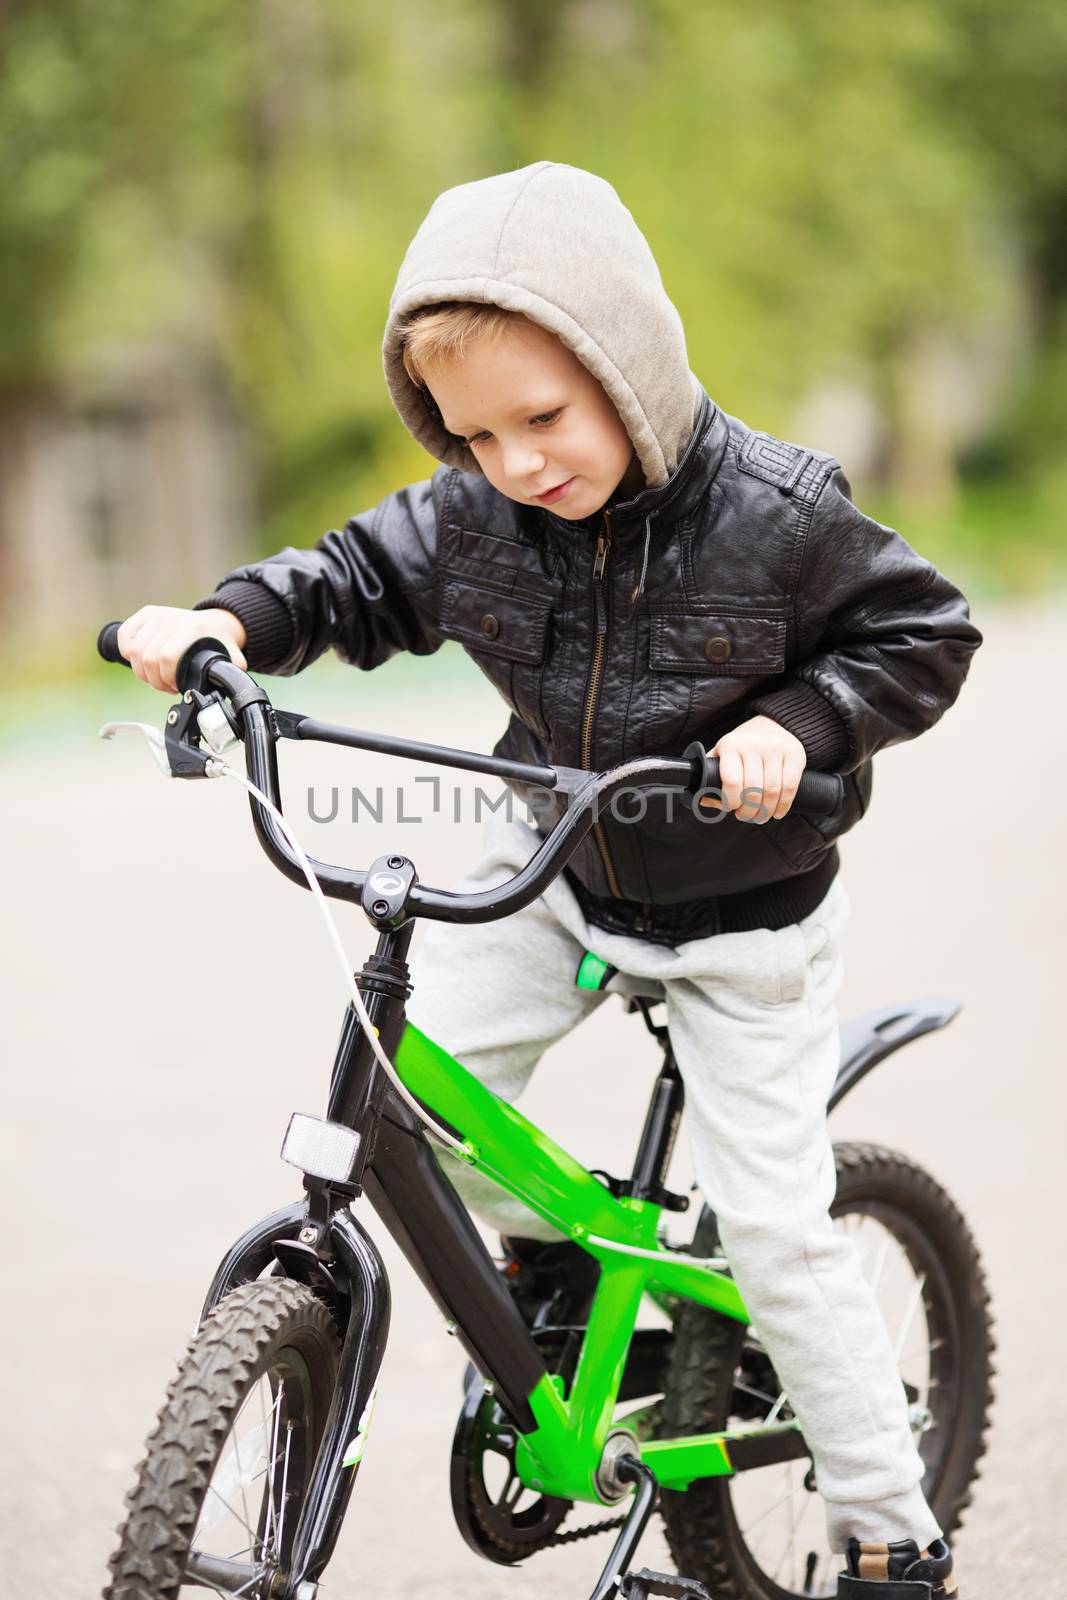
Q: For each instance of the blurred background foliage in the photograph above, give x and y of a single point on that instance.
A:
(859, 208)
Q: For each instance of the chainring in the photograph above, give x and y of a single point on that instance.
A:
(498, 1516)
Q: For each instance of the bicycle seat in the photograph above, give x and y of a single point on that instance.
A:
(596, 973)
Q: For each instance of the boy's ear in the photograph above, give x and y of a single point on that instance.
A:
(431, 405)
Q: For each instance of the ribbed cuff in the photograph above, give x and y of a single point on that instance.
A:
(268, 629)
(811, 719)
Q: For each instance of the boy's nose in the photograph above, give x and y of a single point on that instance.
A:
(523, 464)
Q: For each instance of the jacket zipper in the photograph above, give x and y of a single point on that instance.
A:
(603, 551)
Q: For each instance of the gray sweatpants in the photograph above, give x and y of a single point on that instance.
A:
(754, 1027)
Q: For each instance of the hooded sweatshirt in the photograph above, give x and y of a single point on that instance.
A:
(556, 244)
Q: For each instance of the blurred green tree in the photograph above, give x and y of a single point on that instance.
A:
(830, 191)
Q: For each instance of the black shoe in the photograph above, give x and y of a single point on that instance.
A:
(897, 1571)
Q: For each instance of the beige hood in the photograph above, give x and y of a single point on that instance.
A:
(557, 244)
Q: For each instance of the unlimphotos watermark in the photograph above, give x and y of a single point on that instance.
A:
(409, 805)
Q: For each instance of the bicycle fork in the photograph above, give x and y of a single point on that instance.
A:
(355, 1278)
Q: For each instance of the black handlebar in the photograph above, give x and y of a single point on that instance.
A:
(206, 666)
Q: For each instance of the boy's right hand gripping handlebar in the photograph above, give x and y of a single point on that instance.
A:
(107, 645)
(236, 685)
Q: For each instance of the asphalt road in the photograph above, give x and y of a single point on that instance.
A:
(169, 999)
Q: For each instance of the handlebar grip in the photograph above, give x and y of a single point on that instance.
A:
(107, 644)
(818, 793)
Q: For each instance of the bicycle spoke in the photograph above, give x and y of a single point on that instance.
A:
(773, 1413)
(765, 1514)
(855, 1236)
(914, 1353)
(272, 1513)
(266, 1434)
(234, 1514)
(882, 1253)
(285, 1481)
(791, 1509)
(913, 1305)
(757, 1394)
(240, 1467)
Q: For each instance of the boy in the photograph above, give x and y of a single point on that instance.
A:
(634, 569)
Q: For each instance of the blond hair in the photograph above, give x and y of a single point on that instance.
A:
(443, 332)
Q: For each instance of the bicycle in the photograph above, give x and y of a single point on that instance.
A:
(249, 1470)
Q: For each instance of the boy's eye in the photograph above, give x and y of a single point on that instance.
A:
(545, 419)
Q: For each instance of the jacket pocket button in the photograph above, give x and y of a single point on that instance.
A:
(718, 649)
(490, 626)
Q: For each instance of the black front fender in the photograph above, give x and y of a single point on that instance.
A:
(253, 1252)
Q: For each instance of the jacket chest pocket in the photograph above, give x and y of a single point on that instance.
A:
(497, 597)
(719, 645)
(493, 622)
(701, 665)
(506, 633)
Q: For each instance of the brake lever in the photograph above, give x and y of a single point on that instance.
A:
(176, 752)
(152, 737)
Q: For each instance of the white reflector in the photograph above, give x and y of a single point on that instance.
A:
(321, 1149)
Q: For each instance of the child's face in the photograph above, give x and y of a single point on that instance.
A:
(534, 419)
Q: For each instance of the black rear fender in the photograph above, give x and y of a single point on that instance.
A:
(868, 1039)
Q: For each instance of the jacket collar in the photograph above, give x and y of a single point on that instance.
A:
(687, 484)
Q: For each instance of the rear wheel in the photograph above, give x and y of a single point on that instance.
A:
(761, 1535)
(227, 1466)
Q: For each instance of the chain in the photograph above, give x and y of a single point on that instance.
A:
(588, 1532)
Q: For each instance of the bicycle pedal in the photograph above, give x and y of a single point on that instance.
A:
(639, 1585)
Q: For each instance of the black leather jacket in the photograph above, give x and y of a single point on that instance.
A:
(765, 590)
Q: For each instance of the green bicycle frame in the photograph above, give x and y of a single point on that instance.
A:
(562, 1455)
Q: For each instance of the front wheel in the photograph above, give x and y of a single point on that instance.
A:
(227, 1466)
(761, 1535)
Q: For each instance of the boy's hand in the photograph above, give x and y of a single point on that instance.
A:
(759, 755)
(155, 638)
